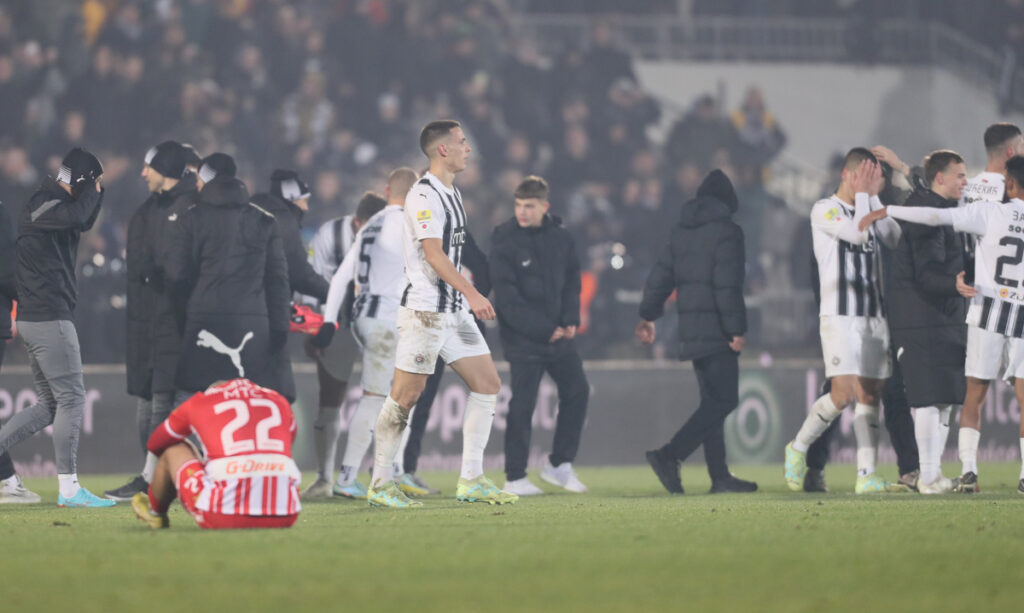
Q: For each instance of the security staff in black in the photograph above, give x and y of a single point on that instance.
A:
(49, 230)
(288, 201)
(536, 278)
(153, 339)
(229, 283)
(703, 262)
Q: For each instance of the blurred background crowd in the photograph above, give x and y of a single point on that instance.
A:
(338, 90)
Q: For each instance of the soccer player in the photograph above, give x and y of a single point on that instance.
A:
(434, 320)
(854, 332)
(375, 263)
(995, 318)
(248, 480)
(334, 363)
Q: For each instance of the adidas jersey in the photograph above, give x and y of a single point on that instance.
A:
(849, 265)
(376, 263)
(331, 242)
(998, 258)
(432, 211)
(247, 433)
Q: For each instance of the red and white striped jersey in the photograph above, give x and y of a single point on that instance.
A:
(247, 433)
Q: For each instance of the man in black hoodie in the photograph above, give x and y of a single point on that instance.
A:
(703, 262)
(536, 277)
(228, 281)
(288, 201)
(153, 339)
(927, 315)
(48, 232)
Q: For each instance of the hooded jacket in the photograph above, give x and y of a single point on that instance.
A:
(228, 282)
(536, 277)
(302, 277)
(704, 262)
(47, 250)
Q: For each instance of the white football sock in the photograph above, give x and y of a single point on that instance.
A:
(926, 430)
(150, 467)
(1022, 458)
(823, 411)
(865, 431)
(398, 466)
(942, 435)
(360, 431)
(967, 445)
(326, 429)
(476, 429)
(347, 475)
(68, 485)
(387, 437)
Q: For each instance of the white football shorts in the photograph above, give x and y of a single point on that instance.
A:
(855, 346)
(423, 336)
(379, 339)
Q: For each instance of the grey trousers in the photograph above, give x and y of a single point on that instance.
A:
(151, 413)
(56, 361)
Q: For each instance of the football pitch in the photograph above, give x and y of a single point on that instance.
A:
(625, 546)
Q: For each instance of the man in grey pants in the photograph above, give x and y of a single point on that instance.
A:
(48, 232)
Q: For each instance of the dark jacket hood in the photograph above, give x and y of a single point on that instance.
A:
(923, 196)
(182, 188)
(510, 226)
(716, 199)
(224, 191)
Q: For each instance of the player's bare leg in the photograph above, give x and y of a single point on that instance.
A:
(1018, 387)
(969, 435)
(152, 507)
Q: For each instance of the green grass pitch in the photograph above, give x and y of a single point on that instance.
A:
(626, 546)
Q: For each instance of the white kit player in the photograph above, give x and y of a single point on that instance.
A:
(375, 262)
(854, 330)
(989, 349)
(334, 364)
(434, 320)
(995, 319)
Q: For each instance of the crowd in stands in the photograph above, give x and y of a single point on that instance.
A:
(338, 92)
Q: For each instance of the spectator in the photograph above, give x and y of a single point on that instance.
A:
(758, 135)
(696, 135)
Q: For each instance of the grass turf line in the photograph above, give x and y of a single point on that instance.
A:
(625, 546)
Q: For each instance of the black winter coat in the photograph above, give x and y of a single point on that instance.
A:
(536, 278)
(926, 314)
(48, 232)
(228, 281)
(153, 340)
(8, 286)
(301, 276)
(704, 263)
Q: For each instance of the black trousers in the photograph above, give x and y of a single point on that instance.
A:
(718, 377)
(6, 464)
(573, 394)
(898, 421)
(420, 416)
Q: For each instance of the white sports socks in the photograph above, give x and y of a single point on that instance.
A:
(865, 431)
(387, 437)
(967, 445)
(476, 429)
(150, 468)
(68, 485)
(325, 439)
(926, 431)
(398, 466)
(823, 411)
(360, 435)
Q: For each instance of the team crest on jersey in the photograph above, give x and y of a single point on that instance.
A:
(832, 214)
(420, 358)
(835, 361)
(423, 215)
(1003, 293)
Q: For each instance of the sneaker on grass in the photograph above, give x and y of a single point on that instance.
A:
(84, 498)
(482, 489)
(563, 476)
(156, 521)
(126, 491)
(321, 488)
(390, 495)
(13, 491)
(522, 487)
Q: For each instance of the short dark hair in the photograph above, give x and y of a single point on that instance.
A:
(434, 131)
(998, 134)
(369, 205)
(857, 155)
(532, 187)
(1015, 170)
(938, 161)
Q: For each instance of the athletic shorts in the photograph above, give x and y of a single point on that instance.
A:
(1015, 360)
(855, 346)
(339, 357)
(988, 354)
(379, 339)
(190, 482)
(423, 336)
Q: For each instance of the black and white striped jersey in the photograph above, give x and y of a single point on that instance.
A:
(849, 263)
(332, 241)
(432, 211)
(998, 258)
(375, 264)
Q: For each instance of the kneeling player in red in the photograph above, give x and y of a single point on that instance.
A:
(248, 480)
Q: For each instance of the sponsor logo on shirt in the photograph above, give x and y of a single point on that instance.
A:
(832, 214)
(423, 215)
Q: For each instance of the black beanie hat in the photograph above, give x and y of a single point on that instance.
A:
(168, 158)
(216, 165)
(286, 184)
(192, 157)
(78, 169)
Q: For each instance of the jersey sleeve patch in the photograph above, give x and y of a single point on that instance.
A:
(832, 214)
